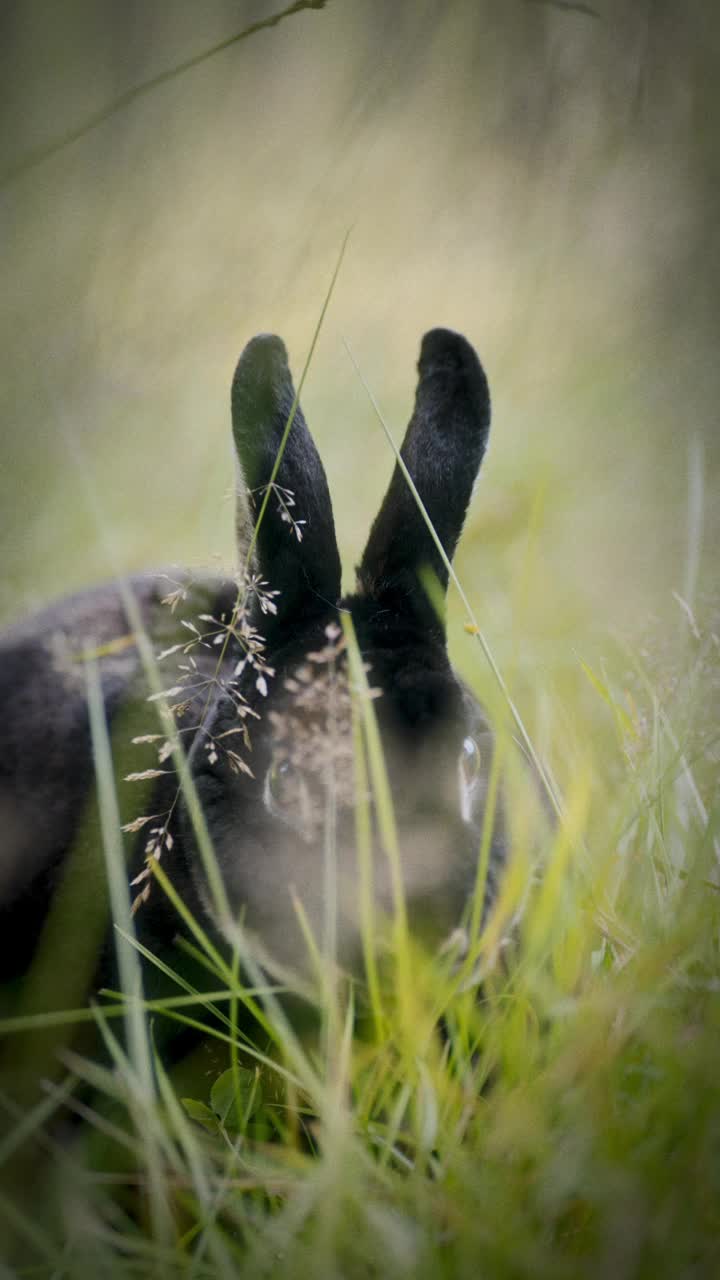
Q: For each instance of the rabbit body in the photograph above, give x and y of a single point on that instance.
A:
(268, 728)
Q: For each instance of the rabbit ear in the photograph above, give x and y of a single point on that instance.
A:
(443, 448)
(295, 550)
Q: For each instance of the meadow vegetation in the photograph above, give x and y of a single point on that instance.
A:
(542, 1099)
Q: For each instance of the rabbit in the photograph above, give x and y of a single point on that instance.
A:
(263, 703)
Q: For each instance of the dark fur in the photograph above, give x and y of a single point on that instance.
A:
(425, 713)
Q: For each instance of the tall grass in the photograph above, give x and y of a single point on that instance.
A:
(566, 1121)
(541, 1098)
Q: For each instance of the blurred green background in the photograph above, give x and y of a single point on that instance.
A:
(543, 177)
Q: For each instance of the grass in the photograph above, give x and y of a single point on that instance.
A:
(567, 1120)
(544, 1103)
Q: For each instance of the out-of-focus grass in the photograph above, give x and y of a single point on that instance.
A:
(564, 1122)
(505, 176)
(500, 174)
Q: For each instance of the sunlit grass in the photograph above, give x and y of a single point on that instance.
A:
(540, 1097)
(549, 1109)
(547, 1104)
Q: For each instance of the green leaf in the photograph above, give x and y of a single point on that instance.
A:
(227, 1104)
(198, 1111)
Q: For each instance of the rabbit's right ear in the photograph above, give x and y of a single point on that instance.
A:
(295, 549)
(443, 448)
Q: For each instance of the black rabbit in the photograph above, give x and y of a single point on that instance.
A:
(268, 728)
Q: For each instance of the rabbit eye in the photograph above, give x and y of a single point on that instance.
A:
(287, 797)
(469, 764)
(277, 782)
(470, 760)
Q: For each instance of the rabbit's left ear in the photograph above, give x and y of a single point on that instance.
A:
(443, 448)
(295, 549)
